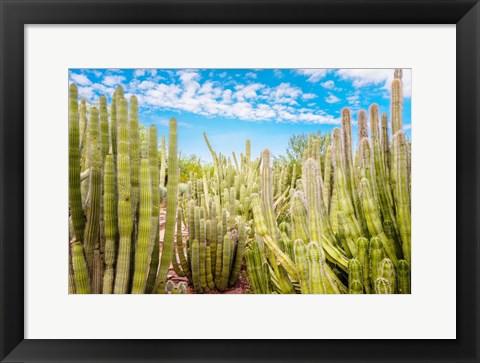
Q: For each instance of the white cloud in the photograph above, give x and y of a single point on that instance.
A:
(332, 98)
(308, 96)
(277, 73)
(80, 79)
(166, 122)
(328, 84)
(186, 91)
(314, 75)
(139, 73)
(251, 75)
(113, 80)
(365, 77)
(86, 92)
(145, 85)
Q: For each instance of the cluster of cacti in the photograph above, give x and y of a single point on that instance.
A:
(180, 288)
(337, 222)
(347, 228)
(217, 211)
(114, 197)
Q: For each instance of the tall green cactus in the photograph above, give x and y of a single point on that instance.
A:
(397, 102)
(124, 201)
(110, 223)
(172, 192)
(74, 194)
(93, 216)
(134, 154)
(82, 284)
(144, 225)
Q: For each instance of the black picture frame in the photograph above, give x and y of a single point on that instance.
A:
(15, 14)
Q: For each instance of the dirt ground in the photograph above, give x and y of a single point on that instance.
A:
(240, 286)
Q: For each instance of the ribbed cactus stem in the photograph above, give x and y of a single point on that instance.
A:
(384, 196)
(345, 203)
(196, 266)
(242, 238)
(82, 113)
(82, 284)
(172, 193)
(386, 270)
(397, 103)
(301, 261)
(153, 161)
(373, 218)
(203, 256)
(124, 202)
(95, 185)
(403, 193)
(327, 186)
(110, 223)
(144, 225)
(310, 179)
(385, 143)
(105, 137)
(267, 195)
(97, 276)
(180, 248)
(382, 286)
(355, 277)
(403, 277)
(134, 154)
(227, 244)
(376, 255)
(316, 270)
(74, 193)
(113, 127)
(163, 152)
(363, 250)
(219, 255)
(299, 217)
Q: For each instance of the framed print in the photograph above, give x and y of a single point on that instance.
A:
(239, 181)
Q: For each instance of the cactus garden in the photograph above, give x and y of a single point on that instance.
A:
(330, 214)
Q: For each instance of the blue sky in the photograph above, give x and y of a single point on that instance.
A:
(230, 105)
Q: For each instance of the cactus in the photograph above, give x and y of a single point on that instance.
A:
(355, 277)
(397, 102)
(75, 198)
(124, 201)
(403, 275)
(110, 223)
(302, 265)
(382, 286)
(134, 154)
(82, 284)
(386, 270)
(239, 254)
(144, 226)
(305, 233)
(402, 193)
(363, 258)
(172, 192)
(196, 266)
(93, 216)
